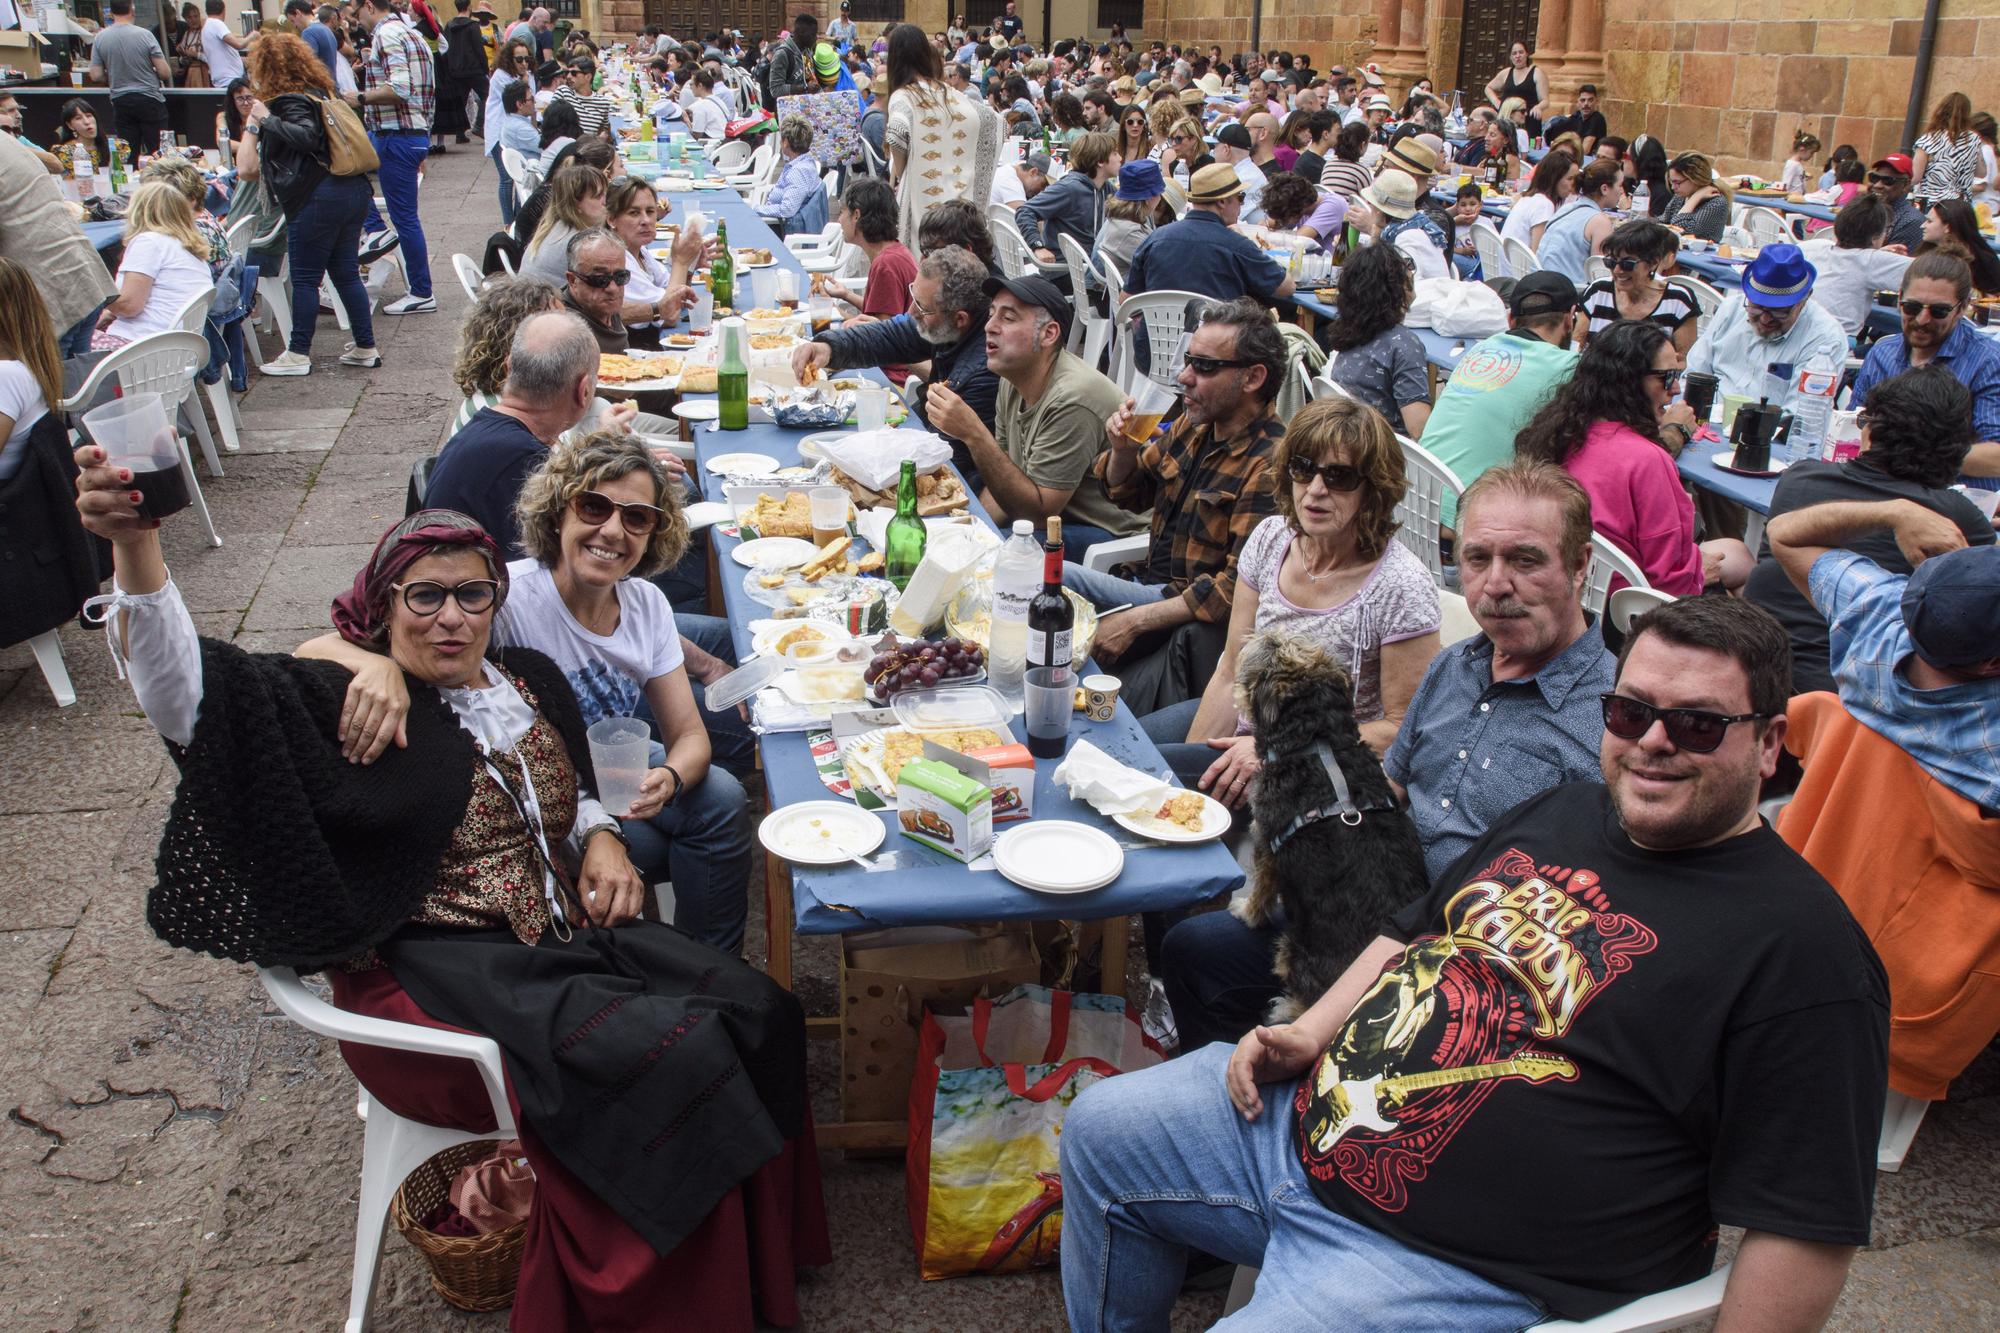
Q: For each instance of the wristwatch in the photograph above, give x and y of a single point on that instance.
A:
(1685, 434)
(609, 826)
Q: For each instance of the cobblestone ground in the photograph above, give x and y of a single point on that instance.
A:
(176, 1155)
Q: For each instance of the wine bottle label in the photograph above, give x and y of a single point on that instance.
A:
(1050, 649)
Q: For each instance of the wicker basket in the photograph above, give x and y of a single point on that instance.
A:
(474, 1273)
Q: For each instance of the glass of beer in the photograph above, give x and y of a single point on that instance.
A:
(1151, 402)
(829, 513)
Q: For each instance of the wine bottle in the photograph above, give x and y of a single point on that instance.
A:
(732, 379)
(722, 273)
(1050, 683)
(903, 543)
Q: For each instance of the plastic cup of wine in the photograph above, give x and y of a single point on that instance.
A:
(135, 433)
(1151, 401)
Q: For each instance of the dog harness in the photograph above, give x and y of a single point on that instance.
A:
(1342, 807)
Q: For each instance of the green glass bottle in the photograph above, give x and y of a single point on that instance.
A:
(722, 273)
(732, 379)
(904, 542)
(117, 167)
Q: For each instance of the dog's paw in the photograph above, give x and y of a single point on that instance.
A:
(1284, 1009)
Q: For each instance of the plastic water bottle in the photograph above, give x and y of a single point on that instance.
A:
(1457, 114)
(1017, 577)
(1642, 202)
(1814, 390)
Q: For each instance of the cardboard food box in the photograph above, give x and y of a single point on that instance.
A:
(888, 978)
(1009, 771)
(944, 808)
(21, 49)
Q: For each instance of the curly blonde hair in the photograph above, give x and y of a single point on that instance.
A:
(488, 332)
(585, 465)
(1358, 435)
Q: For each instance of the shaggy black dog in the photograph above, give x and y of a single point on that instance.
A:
(1338, 869)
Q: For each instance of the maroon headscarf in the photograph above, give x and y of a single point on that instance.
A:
(360, 612)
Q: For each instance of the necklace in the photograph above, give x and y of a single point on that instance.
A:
(1305, 568)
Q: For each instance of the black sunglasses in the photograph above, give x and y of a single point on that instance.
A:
(639, 519)
(425, 598)
(1940, 310)
(1339, 477)
(1884, 177)
(1692, 729)
(1209, 365)
(602, 280)
(1625, 265)
(1669, 379)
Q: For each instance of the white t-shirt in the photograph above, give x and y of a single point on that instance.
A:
(1529, 212)
(1007, 187)
(225, 62)
(707, 117)
(20, 400)
(607, 672)
(177, 277)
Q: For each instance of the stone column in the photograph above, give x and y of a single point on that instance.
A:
(1399, 45)
(1552, 39)
(1583, 60)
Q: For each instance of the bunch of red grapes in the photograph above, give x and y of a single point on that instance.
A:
(915, 664)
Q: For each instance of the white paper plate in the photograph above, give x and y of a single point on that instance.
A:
(697, 409)
(740, 465)
(1057, 856)
(813, 447)
(773, 553)
(764, 634)
(820, 833)
(1214, 823)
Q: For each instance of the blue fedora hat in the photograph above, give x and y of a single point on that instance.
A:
(1139, 181)
(1778, 277)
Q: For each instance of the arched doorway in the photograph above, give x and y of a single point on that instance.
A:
(1490, 28)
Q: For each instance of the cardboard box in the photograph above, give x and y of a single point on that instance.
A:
(943, 807)
(889, 977)
(21, 49)
(1009, 771)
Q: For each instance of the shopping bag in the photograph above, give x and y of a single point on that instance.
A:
(981, 1176)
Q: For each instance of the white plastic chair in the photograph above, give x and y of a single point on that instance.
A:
(506, 262)
(274, 289)
(1164, 315)
(1114, 296)
(1706, 298)
(161, 363)
(1492, 254)
(1000, 212)
(1767, 226)
(821, 253)
(1456, 623)
(762, 163)
(515, 164)
(1089, 330)
(1010, 249)
(1420, 513)
(1521, 260)
(194, 318)
(1606, 560)
(1900, 1118)
(728, 159)
(469, 276)
(1628, 604)
(1596, 268)
(1103, 555)
(1661, 1310)
(392, 1146)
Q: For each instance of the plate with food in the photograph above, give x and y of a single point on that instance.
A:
(874, 759)
(742, 465)
(833, 574)
(698, 379)
(820, 833)
(773, 342)
(680, 340)
(771, 638)
(1183, 816)
(638, 370)
(771, 511)
(773, 553)
(1058, 856)
(753, 257)
(903, 665)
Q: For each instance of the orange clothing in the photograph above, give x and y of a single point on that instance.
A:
(1919, 866)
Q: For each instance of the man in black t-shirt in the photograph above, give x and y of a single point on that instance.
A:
(1628, 1014)
(1009, 25)
(1586, 122)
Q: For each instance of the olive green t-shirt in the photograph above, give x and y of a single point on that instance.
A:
(1058, 439)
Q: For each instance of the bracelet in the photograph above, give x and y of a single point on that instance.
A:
(678, 784)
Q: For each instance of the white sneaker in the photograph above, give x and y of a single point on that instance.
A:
(366, 357)
(411, 305)
(1157, 1019)
(291, 363)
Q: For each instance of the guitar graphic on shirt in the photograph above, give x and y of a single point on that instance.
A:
(1358, 1103)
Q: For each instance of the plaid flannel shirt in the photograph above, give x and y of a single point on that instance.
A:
(1207, 496)
(402, 60)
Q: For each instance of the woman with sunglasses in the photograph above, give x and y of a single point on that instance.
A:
(1636, 251)
(576, 203)
(1603, 426)
(468, 878)
(1135, 137)
(1701, 202)
(1326, 567)
(514, 64)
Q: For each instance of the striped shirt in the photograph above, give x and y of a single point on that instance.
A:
(1675, 307)
(400, 59)
(1345, 178)
(1951, 166)
(592, 112)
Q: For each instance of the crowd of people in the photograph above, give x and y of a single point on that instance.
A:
(1586, 801)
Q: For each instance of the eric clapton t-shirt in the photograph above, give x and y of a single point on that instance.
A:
(1590, 1054)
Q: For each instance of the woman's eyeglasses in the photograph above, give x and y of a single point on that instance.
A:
(425, 598)
(1692, 729)
(1669, 379)
(1939, 310)
(639, 519)
(599, 281)
(1338, 477)
(1625, 265)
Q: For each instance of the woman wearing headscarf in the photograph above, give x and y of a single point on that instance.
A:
(659, 1084)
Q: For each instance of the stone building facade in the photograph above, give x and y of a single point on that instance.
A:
(1738, 77)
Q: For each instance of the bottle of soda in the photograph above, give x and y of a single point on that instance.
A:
(722, 273)
(1050, 683)
(903, 544)
(732, 379)
(117, 168)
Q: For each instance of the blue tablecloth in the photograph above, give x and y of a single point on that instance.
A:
(104, 235)
(1697, 466)
(915, 885)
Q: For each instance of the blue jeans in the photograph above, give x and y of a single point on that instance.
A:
(324, 240)
(1103, 590)
(1218, 976)
(402, 153)
(76, 339)
(701, 842)
(506, 188)
(1158, 1163)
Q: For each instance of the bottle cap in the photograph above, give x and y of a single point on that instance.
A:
(1023, 528)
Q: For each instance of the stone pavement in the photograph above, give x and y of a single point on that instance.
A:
(176, 1155)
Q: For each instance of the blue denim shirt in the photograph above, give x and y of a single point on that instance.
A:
(1970, 355)
(1201, 254)
(1472, 748)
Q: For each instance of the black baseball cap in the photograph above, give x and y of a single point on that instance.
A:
(1951, 607)
(1033, 289)
(1235, 136)
(1541, 294)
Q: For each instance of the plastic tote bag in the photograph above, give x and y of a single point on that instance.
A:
(981, 1176)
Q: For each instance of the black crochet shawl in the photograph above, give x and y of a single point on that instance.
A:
(277, 850)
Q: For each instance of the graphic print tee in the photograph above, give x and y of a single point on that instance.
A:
(1589, 1055)
(608, 672)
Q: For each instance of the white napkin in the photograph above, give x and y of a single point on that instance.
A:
(875, 458)
(1110, 787)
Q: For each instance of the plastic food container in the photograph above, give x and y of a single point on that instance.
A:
(953, 709)
(743, 682)
(829, 671)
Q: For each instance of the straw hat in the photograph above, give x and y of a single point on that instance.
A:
(1394, 193)
(1215, 183)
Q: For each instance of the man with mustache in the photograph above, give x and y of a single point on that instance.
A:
(1500, 717)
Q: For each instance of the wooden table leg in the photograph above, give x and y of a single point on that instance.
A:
(778, 919)
(1111, 959)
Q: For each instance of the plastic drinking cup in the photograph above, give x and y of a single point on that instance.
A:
(704, 307)
(829, 512)
(619, 749)
(1151, 400)
(135, 433)
(871, 409)
(1100, 697)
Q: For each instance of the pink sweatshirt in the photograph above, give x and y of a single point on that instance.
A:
(1637, 501)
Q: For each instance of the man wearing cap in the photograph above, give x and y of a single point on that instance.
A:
(1233, 147)
(1936, 288)
(1889, 180)
(1917, 656)
(1200, 253)
(831, 75)
(1502, 382)
(841, 31)
(1074, 205)
(1014, 183)
(1048, 421)
(1769, 322)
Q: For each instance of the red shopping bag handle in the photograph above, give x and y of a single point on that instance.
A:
(982, 1011)
(1052, 1082)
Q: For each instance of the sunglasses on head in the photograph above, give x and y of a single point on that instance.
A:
(1340, 477)
(1210, 365)
(1692, 729)
(600, 281)
(1939, 310)
(425, 598)
(639, 519)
